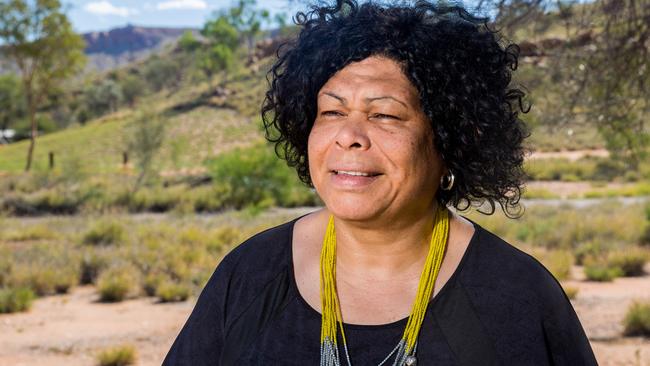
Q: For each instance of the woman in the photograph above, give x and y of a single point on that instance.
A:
(393, 114)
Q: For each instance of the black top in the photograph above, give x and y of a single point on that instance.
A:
(500, 307)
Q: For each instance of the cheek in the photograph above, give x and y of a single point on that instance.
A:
(316, 147)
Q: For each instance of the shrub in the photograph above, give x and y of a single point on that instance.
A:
(105, 233)
(172, 291)
(539, 193)
(65, 279)
(558, 262)
(645, 237)
(255, 176)
(92, 264)
(44, 268)
(15, 299)
(117, 283)
(631, 262)
(151, 283)
(34, 277)
(637, 320)
(207, 199)
(6, 265)
(56, 201)
(560, 169)
(601, 272)
(571, 292)
(117, 356)
(37, 232)
(156, 200)
(589, 250)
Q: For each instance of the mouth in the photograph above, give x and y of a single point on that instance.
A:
(355, 173)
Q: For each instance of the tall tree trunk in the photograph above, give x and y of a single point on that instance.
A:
(32, 118)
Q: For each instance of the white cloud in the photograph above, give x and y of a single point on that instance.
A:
(106, 8)
(182, 4)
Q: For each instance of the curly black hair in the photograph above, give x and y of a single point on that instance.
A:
(460, 67)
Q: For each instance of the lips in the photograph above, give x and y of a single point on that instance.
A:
(353, 178)
(355, 173)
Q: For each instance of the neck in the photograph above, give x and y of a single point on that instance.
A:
(384, 251)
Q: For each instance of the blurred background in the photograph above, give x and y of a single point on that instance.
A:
(132, 158)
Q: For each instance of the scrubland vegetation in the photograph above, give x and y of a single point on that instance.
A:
(171, 256)
(117, 356)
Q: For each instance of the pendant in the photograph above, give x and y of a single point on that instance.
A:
(411, 361)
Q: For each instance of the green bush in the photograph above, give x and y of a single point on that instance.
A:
(151, 283)
(65, 279)
(601, 272)
(45, 268)
(58, 200)
(205, 198)
(222, 238)
(589, 250)
(256, 176)
(631, 262)
(172, 291)
(92, 264)
(38, 279)
(105, 233)
(117, 356)
(156, 200)
(117, 283)
(36, 232)
(15, 299)
(637, 320)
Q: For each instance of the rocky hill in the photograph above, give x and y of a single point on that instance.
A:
(119, 46)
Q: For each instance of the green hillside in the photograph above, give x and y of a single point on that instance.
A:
(197, 128)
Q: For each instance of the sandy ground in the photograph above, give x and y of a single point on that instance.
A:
(71, 329)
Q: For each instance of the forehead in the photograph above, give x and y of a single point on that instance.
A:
(374, 74)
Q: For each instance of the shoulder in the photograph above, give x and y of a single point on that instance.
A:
(505, 270)
(262, 253)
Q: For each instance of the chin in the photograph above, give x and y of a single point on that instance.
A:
(353, 209)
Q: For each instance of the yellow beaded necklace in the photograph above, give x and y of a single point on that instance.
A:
(331, 310)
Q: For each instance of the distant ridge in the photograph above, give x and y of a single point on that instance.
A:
(119, 46)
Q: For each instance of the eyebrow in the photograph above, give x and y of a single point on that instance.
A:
(368, 100)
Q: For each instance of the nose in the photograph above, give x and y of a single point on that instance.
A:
(353, 135)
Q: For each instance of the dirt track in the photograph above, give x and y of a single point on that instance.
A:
(70, 329)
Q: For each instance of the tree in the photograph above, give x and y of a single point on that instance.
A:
(38, 38)
(222, 39)
(103, 97)
(145, 140)
(12, 102)
(161, 73)
(602, 74)
(188, 43)
(248, 21)
(132, 88)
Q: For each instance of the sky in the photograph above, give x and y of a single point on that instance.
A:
(99, 15)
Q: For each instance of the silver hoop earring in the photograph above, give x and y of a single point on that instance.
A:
(450, 181)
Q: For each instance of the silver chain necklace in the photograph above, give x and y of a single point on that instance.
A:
(409, 360)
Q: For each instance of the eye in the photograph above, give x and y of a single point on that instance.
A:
(331, 113)
(384, 116)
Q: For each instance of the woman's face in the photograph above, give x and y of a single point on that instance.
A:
(371, 153)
